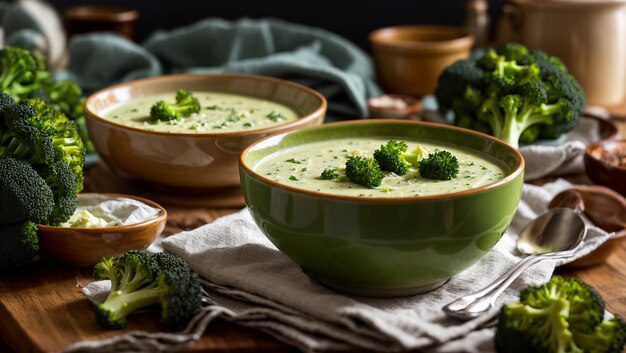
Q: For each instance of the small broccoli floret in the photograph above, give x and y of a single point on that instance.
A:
(563, 315)
(185, 105)
(61, 181)
(390, 157)
(20, 244)
(364, 171)
(439, 165)
(141, 280)
(105, 269)
(21, 72)
(330, 174)
(25, 195)
(512, 51)
(453, 81)
(24, 136)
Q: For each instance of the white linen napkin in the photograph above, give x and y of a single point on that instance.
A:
(251, 283)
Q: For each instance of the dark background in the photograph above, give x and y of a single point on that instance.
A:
(351, 19)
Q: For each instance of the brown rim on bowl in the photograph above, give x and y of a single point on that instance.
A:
(512, 175)
(291, 124)
(98, 230)
(454, 38)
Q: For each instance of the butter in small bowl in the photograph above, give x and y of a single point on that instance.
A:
(103, 225)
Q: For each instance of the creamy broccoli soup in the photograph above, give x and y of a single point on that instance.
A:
(301, 167)
(219, 112)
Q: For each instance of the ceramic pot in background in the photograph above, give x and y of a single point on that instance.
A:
(588, 35)
(409, 59)
(87, 19)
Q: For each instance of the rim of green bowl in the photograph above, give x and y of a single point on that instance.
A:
(303, 120)
(519, 168)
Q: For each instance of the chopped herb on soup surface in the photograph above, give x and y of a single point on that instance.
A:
(323, 167)
(218, 112)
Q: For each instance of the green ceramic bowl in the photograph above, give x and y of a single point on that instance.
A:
(383, 246)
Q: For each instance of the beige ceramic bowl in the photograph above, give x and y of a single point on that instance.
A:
(409, 59)
(191, 160)
(86, 246)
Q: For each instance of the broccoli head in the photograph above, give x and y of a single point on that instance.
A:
(439, 165)
(186, 104)
(67, 144)
(20, 244)
(21, 72)
(563, 315)
(330, 174)
(140, 280)
(25, 195)
(364, 171)
(510, 91)
(47, 140)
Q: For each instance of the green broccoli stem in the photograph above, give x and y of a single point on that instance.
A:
(495, 121)
(516, 122)
(120, 304)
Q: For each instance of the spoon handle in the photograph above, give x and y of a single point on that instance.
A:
(475, 304)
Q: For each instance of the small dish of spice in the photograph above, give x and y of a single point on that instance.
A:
(393, 106)
(605, 164)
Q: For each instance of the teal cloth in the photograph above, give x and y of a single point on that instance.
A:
(322, 60)
(20, 28)
(314, 57)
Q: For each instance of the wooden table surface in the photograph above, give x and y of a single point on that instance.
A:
(42, 308)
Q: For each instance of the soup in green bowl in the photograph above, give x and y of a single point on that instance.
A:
(409, 234)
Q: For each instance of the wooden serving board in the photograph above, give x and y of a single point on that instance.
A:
(42, 308)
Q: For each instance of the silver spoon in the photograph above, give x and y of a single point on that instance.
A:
(557, 234)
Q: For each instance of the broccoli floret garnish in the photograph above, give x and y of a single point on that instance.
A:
(20, 244)
(25, 195)
(48, 141)
(511, 91)
(392, 157)
(330, 174)
(186, 104)
(563, 315)
(364, 171)
(276, 116)
(439, 165)
(140, 280)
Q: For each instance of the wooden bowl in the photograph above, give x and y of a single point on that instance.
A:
(601, 172)
(603, 207)
(409, 59)
(86, 19)
(86, 246)
(411, 108)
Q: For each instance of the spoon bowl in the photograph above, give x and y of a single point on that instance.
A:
(557, 234)
(557, 230)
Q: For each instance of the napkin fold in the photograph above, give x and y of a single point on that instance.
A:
(251, 283)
